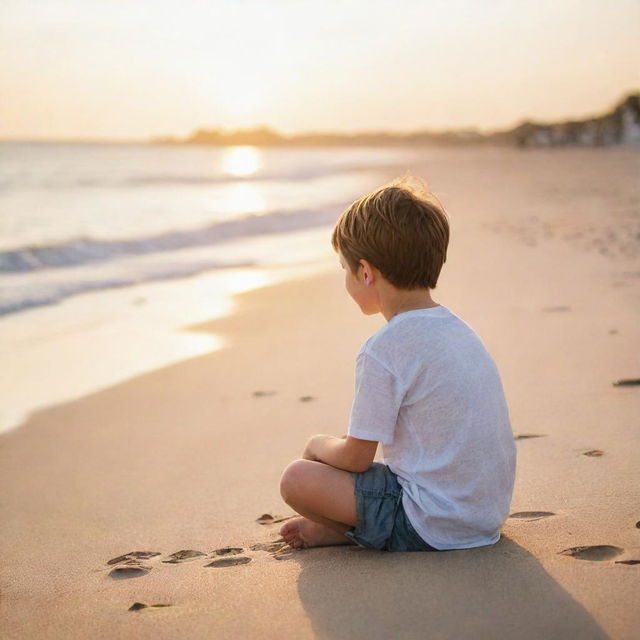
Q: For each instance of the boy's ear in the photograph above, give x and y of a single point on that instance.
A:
(365, 274)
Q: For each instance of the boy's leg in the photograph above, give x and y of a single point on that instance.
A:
(323, 494)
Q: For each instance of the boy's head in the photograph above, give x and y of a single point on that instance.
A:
(400, 230)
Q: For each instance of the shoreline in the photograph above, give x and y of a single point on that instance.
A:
(70, 338)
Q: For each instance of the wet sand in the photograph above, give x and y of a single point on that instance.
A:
(188, 458)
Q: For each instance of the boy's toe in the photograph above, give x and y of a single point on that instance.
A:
(288, 529)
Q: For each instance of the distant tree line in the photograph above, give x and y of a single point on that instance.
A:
(620, 126)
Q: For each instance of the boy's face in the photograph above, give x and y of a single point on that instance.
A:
(355, 284)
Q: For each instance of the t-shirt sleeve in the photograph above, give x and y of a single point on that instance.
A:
(377, 400)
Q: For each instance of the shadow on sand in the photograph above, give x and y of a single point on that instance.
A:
(501, 591)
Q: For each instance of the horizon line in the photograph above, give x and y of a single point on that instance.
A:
(311, 132)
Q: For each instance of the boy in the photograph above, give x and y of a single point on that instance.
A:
(426, 388)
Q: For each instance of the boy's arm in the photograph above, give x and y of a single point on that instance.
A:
(374, 413)
(350, 454)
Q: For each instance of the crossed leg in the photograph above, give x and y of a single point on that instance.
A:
(325, 497)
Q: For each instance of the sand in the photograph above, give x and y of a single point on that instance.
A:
(187, 457)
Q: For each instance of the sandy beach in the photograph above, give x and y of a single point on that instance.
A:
(189, 456)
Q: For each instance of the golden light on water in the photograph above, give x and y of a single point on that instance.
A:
(241, 162)
(243, 197)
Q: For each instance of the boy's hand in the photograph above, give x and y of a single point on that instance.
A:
(332, 451)
(309, 450)
(307, 454)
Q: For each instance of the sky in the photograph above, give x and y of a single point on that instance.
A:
(134, 69)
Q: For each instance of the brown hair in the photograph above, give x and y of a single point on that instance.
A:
(400, 230)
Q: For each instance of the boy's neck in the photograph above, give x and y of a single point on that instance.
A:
(400, 301)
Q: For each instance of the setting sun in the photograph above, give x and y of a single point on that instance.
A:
(241, 100)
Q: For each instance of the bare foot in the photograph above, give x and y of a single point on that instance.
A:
(303, 533)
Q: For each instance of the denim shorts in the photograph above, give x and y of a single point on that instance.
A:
(381, 520)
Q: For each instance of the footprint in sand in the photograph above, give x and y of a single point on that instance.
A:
(267, 518)
(524, 436)
(129, 565)
(306, 398)
(531, 515)
(259, 394)
(593, 453)
(628, 382)
(134, 555)
(595, 552)
(136, 606)
(278, 549)
(184, 556)
(228, 551)
(130, 569)
(271, 547)
(229, 562)
(285, 553)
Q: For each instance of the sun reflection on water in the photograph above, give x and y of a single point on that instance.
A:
(241, 162)
(243, 197)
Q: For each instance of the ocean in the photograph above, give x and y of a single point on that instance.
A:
(82, 217)
(108, 250)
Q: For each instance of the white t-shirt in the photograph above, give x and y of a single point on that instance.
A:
(428, 390)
